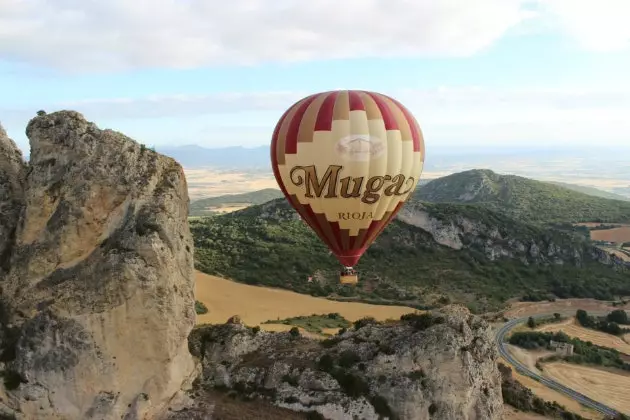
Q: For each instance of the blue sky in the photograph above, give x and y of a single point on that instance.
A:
(490, 73)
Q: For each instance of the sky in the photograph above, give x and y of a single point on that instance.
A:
(476, 74)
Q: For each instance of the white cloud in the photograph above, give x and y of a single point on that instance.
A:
(447, 115)
(600, 25)
(78, 35)
(444, 104)
(105, 35)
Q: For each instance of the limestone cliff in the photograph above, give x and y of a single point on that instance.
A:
(97, 289)
(12, 173)
(436, 366)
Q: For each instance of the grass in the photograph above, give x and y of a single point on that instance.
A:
(200, 308)
(315, 323)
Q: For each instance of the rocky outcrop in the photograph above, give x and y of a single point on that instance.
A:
(12, 173)
(502, 238)
(98, 296)
(440, 365)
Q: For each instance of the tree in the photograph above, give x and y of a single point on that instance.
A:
(557, 316)
(531, 323)
(583, 318)
(619, 316)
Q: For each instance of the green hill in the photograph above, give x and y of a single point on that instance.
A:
(200, 207)
(523, 199)
(595, 192)
(432, 254)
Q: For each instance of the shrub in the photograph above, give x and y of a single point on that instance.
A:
(294, 331)
(200, 308)
(360, 323)
(421, 321)
(326, 363)
(348, 358)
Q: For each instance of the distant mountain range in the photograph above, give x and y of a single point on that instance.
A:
(515, 196)
(236, 157)
(603, 171)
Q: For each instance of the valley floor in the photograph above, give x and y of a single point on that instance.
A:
(255, 304)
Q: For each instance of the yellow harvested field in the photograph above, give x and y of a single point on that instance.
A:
(605, 386)
(563, 306)
(586, 334)
(510, 413)
(623, 255)
(228, 209)
(255, 305)
(211, 183)
(550, 395)
(528, 358)
(617, 235)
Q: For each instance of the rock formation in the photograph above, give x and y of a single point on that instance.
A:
(12, 173)
(431, 366)
(96, 274)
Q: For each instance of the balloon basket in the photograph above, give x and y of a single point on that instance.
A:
(348, 278)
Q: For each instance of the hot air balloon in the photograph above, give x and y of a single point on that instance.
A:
(347, 161)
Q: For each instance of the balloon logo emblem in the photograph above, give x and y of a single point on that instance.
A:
(347, 161)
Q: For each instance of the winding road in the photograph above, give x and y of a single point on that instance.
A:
(524, 370)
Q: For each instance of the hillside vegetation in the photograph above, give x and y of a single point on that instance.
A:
(500, 258)
(523, 199)
(201, 207)
(595, 192)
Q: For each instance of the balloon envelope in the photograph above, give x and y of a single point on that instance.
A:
(347, 161)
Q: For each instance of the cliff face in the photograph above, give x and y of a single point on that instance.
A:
(97, 289)
(495, 241)
(441, 365)
(12, 173)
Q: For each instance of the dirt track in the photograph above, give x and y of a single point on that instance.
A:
(608, 387)
(225, 298)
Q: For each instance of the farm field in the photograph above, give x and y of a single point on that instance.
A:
(618, 235)
(605, 386)
(510, 413)
(255, 304)
(563, 306)
(598, 338)
(550, 395)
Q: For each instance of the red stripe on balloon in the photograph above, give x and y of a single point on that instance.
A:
(388, 116)
(290, 145)
(415, 132)
(356, 103)
(325, 113)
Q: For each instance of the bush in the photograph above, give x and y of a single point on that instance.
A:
(421, 321)
(531, 323)
(353, 385)
(294, 331)
(360, 323)
(619, 316)
(200, 308)
(348, 358)
(326, 363)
